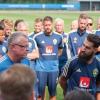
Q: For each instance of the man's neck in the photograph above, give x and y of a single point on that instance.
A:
(90, 61)
(13, 57)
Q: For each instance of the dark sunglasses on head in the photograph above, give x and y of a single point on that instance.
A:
(90, 24)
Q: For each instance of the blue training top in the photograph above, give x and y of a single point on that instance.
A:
(48, 48)
(6, 62)
(75, 41)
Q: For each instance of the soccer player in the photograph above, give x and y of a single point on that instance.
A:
(76, 38)
(8, 27)
(50, 46)
(3, 44)
(74, 25)
(83, 71)
(33, 54)
(59, 28)
(21, 26)
(38, 27)
(89, 27)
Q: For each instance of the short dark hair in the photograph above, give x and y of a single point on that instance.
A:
(2, 26)
(17, 22)
(78, 95)
(48, 18)
(83, 16)
(95, 39)
(17, 82)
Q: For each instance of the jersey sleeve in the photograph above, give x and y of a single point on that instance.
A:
(67, 70)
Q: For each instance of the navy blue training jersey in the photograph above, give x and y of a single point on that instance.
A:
(75, 41)
(82, 76)
(48, 49)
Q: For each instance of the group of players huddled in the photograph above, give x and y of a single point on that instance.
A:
(72, 59)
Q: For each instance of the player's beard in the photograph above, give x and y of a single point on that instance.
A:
(84, 58)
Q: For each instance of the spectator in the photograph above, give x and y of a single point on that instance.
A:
(38, 27)
(16, 83)
(83, 72)
(50, 46)
(76, 38)
(78, 95)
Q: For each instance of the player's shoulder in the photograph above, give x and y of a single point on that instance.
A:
(38, 34)
(57, 35)
(98, 59)
(73, 33)
(73, 60)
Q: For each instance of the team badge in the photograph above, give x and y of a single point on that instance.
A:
(55, 41)
(95, 72)
(84, 82)
(4, 49)
(49, 49)
(75, 40)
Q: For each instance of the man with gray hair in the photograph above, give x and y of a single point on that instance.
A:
(17, 51)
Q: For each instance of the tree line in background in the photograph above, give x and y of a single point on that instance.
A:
(33, 1)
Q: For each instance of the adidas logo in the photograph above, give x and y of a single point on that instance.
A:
(78, 70)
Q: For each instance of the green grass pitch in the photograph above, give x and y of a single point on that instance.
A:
(30, 15)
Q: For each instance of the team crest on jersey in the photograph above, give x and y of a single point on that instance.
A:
(54, 41)
(49, 49)
(30, 44)
(84, 82)
(75, 40)
(4, 49)
(95, 72)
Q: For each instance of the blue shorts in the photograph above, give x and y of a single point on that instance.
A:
(49, 79)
